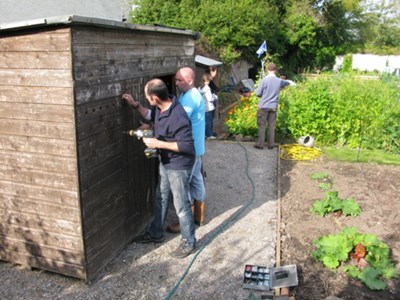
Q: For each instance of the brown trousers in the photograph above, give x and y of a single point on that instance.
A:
(264, 115)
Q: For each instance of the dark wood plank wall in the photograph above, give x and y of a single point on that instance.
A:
(116, 180)
(40, 222)
(73, 189)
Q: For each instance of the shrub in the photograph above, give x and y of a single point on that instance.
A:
(346, 110)
(340, 110)
(347, 65)
(242, 118)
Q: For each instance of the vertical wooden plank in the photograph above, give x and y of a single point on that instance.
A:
(39, 207)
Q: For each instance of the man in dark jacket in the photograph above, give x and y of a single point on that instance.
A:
(174, 141)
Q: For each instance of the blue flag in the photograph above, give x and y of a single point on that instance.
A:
(262, 49)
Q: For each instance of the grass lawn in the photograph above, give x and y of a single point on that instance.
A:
(370, 156)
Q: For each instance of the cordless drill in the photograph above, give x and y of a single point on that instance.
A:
(143, 133)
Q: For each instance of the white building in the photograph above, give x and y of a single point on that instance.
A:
(12, 11)
(371, 62)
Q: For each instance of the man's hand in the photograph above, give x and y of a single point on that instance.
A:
(151, 142)
(128, 98)
(144, 126)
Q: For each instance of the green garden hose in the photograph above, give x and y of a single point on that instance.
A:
(231, 219)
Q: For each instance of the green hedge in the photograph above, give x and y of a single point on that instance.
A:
(340, 110)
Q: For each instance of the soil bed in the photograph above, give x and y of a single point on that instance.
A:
(374, 187)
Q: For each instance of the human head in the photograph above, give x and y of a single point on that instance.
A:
(155, 90)
(184, 79)
(213, 71)
(271, 67)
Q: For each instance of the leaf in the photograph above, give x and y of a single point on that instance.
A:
(332, 195)
(335, 204)
(332, 249)
(352, 271)
(370, 277)
(350, 207)
(378, 255)
(350, 232)
(320, 176)
(334, 201)
(325, 186)
(319, 208)
(330, 261)
(390, 272)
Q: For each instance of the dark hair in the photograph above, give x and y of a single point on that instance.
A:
(157, 87)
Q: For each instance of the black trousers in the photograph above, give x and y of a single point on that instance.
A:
(264, 116)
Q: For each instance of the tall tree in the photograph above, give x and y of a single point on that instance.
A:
(319, 30)
(383, 26)
(299, 33)
(232, 28)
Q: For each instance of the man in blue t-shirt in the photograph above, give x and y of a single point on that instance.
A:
(193, 103)
(174, 141)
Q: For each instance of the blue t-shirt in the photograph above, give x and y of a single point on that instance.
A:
(193, 103)
(173, 125)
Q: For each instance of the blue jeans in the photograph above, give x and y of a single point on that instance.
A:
(197, 189)
(177, 182)
(209, 123)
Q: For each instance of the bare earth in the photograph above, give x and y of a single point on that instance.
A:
(374, 187)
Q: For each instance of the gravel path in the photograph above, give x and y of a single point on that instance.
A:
(216, 272)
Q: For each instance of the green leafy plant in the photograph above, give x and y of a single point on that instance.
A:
(325, 186)
(325, 180)
(332, 203)
(363, 256)
(320, 176)
(338, 112)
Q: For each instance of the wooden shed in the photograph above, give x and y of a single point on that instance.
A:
(74, 191)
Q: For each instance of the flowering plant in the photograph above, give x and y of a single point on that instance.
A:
(242, 118)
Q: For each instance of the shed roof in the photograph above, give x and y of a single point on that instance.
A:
(205, 61)
(80, 20)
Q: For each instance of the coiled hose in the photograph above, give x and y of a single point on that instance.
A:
(298, 152)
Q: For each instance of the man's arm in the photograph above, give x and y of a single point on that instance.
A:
(144, 112)
(182, 139)
(158, 144)
(260, 88)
